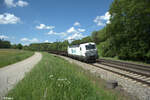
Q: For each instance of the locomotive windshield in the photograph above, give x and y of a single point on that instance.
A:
(90, 46)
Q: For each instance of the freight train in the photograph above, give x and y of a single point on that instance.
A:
(86, 52)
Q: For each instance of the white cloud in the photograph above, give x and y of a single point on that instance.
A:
(71, 30)
(24, 39)
(99, 20)
(11, 3)
(22, 3)
(75, 36)
(76, 33)
(33, 40)
(8, 18)
(76, 24)
(40, 27)
(81, 30)
(106, 16)
(3, 37)
(108, 22)
(51, 32)
(68, 34)
(46, 41)
(43, 26)
(63, 34)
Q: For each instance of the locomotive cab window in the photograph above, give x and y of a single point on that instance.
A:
(90, 46)
(80, 49)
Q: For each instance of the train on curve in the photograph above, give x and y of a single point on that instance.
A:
(86, 52)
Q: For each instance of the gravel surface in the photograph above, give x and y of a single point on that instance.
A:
(12, 74)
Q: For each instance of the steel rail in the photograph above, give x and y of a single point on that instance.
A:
(129, 65)
(136, 79)
(125, 69)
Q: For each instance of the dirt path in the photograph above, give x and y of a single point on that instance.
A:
(12, 74)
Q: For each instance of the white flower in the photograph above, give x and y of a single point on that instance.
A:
(68, 82)
(8, 98)
(62, 79)
(59, 85)
(51, 76)
(65, 81)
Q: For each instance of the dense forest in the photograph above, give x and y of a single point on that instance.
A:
(125, 37)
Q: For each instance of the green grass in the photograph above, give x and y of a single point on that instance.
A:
(54, 78)
(10, 56)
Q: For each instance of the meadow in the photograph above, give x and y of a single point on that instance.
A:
(10, 56)
(54, 78)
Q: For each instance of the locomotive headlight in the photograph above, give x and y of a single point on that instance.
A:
(86, 54)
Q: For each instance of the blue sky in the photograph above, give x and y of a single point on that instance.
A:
(30, 21)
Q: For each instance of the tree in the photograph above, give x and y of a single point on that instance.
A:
(130, 29)
(95, 37)
(4, 44)
(19, 46)
(14, 46)
(56, 46)
(86, 39)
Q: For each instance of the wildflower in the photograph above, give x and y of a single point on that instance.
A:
(68, 82)
(65, 81)
(59, 85)
(8, 98)
(51, 76)
(62, 79)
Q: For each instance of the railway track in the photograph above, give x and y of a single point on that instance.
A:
(139, 73)
(136, 72)
(126, 64)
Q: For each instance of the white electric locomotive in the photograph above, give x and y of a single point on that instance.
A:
(85, 52)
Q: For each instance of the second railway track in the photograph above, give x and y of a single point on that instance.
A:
(140, 67)
(136, 73)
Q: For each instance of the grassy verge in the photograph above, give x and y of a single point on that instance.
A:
(54, 78)
(10, 56)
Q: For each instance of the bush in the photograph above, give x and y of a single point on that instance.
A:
(4, 44)
(105, 49)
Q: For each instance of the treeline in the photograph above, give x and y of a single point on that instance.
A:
(56, 46)
(7, 45)
(83, 40)
(4, 44)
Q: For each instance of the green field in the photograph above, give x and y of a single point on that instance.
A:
(54, 78)
(10, 56)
